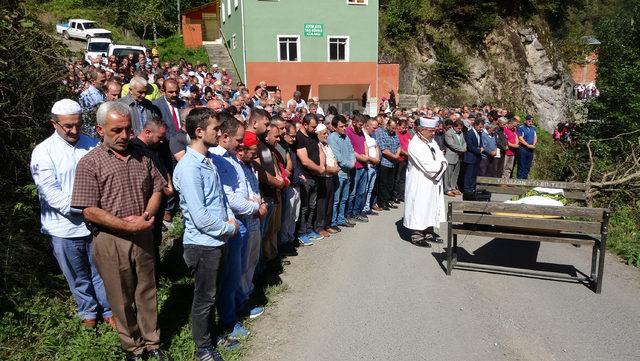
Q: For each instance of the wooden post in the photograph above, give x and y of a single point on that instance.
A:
(449, 238)
(603, 248)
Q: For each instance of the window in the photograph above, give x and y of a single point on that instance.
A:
(357, 2)
(222, 12)
(338, 48)
(235, 3)
(229, 7)
(234, 41)
(288, 47)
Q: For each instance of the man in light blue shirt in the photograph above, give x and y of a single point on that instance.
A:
(346, 157)
(209, 223)
(245, 208)
(53, 167)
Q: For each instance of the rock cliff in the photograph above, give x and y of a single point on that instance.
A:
(511, 68)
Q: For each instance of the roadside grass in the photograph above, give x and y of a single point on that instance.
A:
(43, 326)
(172, 49)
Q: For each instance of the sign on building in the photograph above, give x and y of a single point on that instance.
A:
(313, 29)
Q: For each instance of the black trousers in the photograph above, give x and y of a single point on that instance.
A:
(205, 265)
(470, 175)
(308, 198)
(324, 205)
(386, 177)
(400, 179)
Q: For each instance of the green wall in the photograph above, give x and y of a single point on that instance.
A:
(265, 19)
(233, 25)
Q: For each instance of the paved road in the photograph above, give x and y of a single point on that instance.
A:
(368, 295)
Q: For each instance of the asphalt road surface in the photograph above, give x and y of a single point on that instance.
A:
(366, 294)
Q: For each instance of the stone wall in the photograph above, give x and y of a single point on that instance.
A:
(513, 69)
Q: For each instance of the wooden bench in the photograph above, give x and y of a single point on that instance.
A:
(572, 191)
(574, 225)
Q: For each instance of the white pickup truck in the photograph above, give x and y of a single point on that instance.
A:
(81, 29)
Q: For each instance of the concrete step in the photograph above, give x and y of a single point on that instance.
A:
(218, 54)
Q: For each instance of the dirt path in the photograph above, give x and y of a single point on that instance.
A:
(368, 295)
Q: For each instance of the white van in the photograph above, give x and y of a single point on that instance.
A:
(95, 47)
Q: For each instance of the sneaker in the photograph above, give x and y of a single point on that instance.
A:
(371, 213)
(314, 236)
(228, 343)
(348, 225)
(361, 218)
(256, 312)
(304, 240)
(350, 220)
(392, 205)
(239, 331)
(208, 354)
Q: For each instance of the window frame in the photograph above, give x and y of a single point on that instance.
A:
(298, 45)
(352, 2)
(347, 52)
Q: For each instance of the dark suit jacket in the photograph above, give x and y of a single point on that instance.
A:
(150, 111)
(167, 117)
(472, 155)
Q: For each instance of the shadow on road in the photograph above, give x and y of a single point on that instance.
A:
(405, 234)
(514, 254)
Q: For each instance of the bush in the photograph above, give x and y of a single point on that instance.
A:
(172, 49)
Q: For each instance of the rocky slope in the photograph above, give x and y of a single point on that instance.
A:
(512, 68)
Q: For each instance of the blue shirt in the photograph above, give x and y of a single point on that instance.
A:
(202, 200)
(386, 141)
(528, 133)
(343, 150)
(234, 182)
(91, 98)
(488, 143)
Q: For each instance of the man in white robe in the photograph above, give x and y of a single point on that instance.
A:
(424, 194)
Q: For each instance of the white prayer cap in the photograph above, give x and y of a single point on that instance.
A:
(66, 107)
(320, 128)
(428, 122)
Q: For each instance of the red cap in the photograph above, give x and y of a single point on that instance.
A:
(250, 139)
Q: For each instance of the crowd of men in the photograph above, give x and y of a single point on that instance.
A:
(254, 177)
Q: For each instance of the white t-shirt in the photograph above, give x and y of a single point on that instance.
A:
(371, 147)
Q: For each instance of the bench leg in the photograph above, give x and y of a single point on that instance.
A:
(455, 249)
(449, 252)
(600, 267)
(594, 262)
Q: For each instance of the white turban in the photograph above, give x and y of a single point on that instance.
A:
(428, 122)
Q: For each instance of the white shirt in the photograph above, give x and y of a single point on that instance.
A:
(371, 146)
(330, 158)
(53, 168)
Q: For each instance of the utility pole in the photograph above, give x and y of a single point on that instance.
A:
(179, 20)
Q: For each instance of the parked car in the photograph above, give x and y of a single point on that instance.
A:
(82, 29)
(95, 47)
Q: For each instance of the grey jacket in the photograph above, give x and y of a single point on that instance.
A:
(137, 118)
(454, 146)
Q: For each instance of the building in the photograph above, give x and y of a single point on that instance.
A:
(585, 72)
(327, 49)
(200, 25)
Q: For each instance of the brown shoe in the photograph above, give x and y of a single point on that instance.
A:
(332, 230)
(111, 321)
(457, 192)
(376, 208)
(90, 323)
(324, 233)
(451, 193)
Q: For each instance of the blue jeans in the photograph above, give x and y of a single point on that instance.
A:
(525, 159)
(358, 192)
(340, 198)
(75, 258)
(371, 181)
(231, 274)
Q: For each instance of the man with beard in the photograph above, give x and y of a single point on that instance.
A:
(209, 222)
(291, 204)
(390, 148)
(424, 206)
